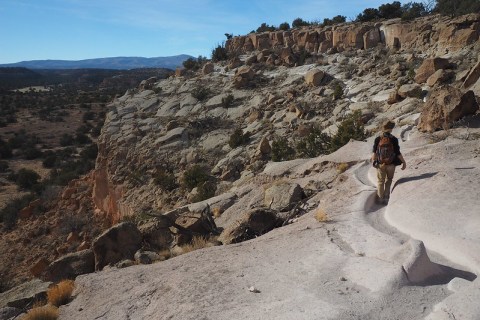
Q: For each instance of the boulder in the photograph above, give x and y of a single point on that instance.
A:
(10, 313)
(147, 84)
(70, 266)
(252, 224)
(25, 294)
(410, 91)
(472, 76)
(39, 267)
(428, 67)
(243, 76)
(446, 105)
(115, 244)
(439, 77)
(208, 68)
(283, 196)
(264, 147)
(156, 233)
(315, 77)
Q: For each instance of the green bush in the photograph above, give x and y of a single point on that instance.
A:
(350, 128)
(190, 64)
(26, 178)
(457, 7)
(285, 26)
(337, 91)
(265, 27)
(238, 138)
(194, 176)
(314, 144)
(81, 138)
(5, 150)
(66, 140)
(49, 161)
(205, 190)
(219, 53)
(281, 150)
(200, 93)
(90, 152)
(413, 10)
(3, 166)
(165, 180)
(32, 153)
(228, 100)
(299, 22)
(9, 214)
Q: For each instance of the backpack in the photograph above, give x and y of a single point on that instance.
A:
(385, 153)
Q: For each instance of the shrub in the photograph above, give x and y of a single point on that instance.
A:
(32, 153)
(26, 178)
(165, 180)
(219, 53)
(285, 26)
(5, 150)
(66, 140)
(205, 190)
(194, 176)
(350, 128)
(457, 7)
(342, 167)
(9, 214)
(198, 242)
(281, 150)
(337, 91)
(42, 313)
(314, 144)
(413, 10)
(238, 138)
(299, 22)
(60, 293)
(81, 138)
(90, 152)
(89, 115)
(368, 14)
(228, 100)
(3, 166)
(265, 27)
(321, 215)
(200, 93)
(390, 10)
(190, 64)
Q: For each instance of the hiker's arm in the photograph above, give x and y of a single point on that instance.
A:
(404, 164)
(374, 149)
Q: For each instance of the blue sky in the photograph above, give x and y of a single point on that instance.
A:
(83, 29)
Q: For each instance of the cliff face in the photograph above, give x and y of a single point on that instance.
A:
(169, 126)
(433, 34)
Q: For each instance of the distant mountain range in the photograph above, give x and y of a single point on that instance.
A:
(117, 63)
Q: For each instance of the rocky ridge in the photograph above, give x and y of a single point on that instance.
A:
(169, 126)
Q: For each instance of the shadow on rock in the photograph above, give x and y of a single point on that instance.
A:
(408, 179)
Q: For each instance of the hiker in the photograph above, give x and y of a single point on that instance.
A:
(386, 155)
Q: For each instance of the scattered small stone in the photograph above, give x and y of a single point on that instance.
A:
(342, 279)
(253, 289)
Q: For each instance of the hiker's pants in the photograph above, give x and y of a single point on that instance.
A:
(385, 176)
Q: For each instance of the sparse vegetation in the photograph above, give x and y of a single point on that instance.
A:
(26, 178)
(198, 242)
(42, 313)
(165, 180)
(337, 91)
(350, 128)
(60, 293)
(281, 150)
(195, 176)
(205, 190)
(321, 215)
(201, 93)
(227, 101)
(342, 167)
(9, 214)
(219, 53)
(238, 138)
(314, 144)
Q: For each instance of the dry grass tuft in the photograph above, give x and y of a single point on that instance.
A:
(60, 293)
(42, 313)
(217, 212)
(342, 167)
(321, 215)
(198, 242)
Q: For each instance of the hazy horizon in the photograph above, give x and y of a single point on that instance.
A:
(89, 29)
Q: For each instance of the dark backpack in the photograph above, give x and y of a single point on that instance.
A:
(385, 151)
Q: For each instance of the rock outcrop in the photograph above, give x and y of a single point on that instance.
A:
(117, 243)
(446, 105)
(70, 266)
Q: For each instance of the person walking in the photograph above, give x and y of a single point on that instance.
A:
(386, 156)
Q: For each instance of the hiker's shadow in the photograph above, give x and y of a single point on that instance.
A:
(408, 179)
